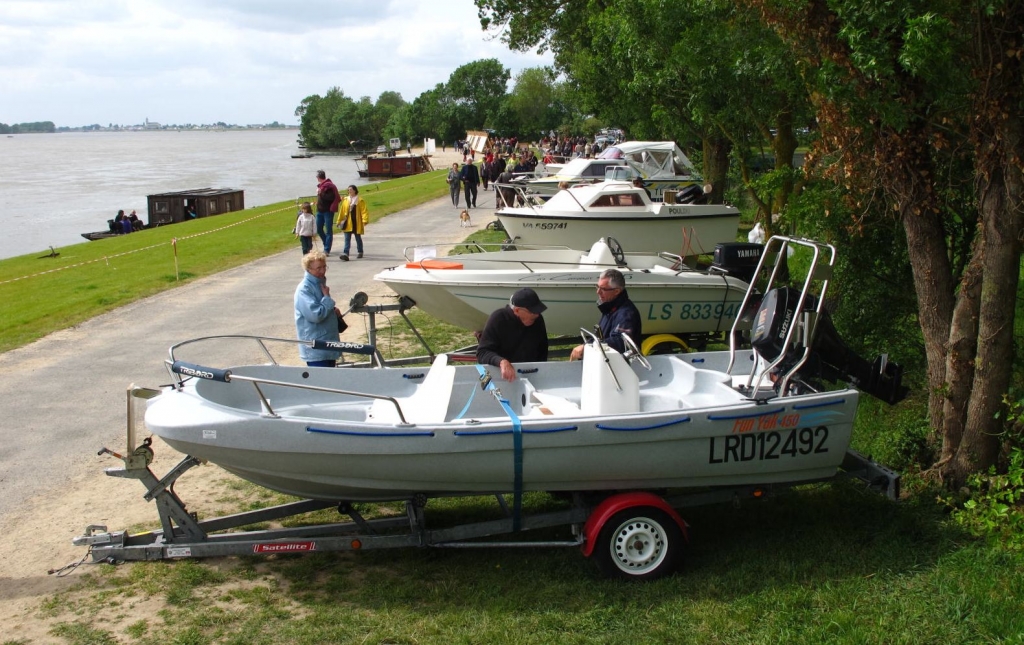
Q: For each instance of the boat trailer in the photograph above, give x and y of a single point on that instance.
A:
(634, 535)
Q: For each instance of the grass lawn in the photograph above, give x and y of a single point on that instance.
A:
(825, 563)
(91, 278)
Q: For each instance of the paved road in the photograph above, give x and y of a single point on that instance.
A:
(63, 397)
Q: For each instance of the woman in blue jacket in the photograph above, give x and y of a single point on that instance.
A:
(316, 316)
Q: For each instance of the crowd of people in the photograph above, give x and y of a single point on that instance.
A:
(514, 333)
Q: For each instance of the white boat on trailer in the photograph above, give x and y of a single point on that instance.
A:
(609, 430)
(672, 298)
(623, 211)
(661, 164)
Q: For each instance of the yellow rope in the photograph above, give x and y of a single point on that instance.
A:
(106, 258)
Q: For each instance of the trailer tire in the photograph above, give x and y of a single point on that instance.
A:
(641, 543)
(663, 344)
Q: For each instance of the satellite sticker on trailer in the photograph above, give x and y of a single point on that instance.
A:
(284, 547)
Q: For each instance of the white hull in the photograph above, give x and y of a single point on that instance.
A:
(670, 302)
(681, 229)
(685, 427)
(577, 215)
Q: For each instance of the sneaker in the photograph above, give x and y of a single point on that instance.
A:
(359, 256)
(327, 253)
(343, 257)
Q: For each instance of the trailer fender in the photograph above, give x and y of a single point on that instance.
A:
(612, 505)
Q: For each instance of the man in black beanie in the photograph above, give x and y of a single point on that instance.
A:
(514, 333)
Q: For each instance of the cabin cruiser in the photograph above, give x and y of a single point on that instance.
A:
(621, 210)
(661, 164)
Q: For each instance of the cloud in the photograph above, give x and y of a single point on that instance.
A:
(240, 61)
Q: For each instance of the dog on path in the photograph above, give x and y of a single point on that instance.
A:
(464, 221)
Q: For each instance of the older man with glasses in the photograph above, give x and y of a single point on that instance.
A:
(619, 316)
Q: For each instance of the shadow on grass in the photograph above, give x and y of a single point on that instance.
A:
(818, 535)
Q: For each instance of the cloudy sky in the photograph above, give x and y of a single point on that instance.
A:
(80, 62)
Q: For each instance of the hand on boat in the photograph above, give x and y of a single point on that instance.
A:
(577, 353)
(507, 371)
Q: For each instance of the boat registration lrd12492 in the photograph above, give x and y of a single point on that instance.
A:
(763, 446)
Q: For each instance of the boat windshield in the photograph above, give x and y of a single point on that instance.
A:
(585, 168)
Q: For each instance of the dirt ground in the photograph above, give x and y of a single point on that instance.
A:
(63, 397)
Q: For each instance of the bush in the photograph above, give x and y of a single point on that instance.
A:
(994, 509)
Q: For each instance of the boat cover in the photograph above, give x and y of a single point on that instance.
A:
(653, 159)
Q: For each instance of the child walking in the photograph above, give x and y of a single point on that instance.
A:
(305, 227)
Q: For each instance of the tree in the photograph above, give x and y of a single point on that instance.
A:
(680, 71)
(532, 100)
(478, 87)
(900, 90)
(319, 124)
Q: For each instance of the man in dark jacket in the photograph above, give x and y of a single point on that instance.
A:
(327, 200)
(515, 333)
(619, 316)
(470, 177)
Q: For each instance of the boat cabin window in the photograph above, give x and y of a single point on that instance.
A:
(386, 166)
(211, 207)
(162, 207)
(227, 206)
(596, 170)
(625, 199)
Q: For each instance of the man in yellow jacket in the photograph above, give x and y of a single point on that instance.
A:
(352, 220)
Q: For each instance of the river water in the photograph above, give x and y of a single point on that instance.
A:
(54, 187)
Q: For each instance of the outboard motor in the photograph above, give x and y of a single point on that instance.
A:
(829, 358)
(692, 194)
(738, 259)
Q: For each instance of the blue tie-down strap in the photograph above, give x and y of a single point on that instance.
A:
(517, 449)
(200, 371)
(351, 348)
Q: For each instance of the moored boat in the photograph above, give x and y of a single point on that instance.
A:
(672, 298)
(661, 164)
(392, 166)
(623, 211)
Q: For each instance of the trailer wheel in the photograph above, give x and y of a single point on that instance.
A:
(664, 344)
(641, 543)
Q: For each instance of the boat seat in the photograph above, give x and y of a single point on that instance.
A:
(427, 405)
(600, 254)
(552, 404)
(609, 386)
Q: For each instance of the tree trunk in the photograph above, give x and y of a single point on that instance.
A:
(997, 132)
(716, 165)
(784, 145)
(1001, 201)
(962, 350)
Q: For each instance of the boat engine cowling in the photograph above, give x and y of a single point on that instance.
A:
(692, 194)
(829, 359)
(738, 259)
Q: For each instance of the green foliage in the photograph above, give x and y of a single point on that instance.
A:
(334, 120)
(27, 128)
(995, 505)
(898, 436)
(479, 86)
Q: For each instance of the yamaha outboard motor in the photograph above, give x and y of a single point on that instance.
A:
(692, 194)
(738, 259)
(829, 359)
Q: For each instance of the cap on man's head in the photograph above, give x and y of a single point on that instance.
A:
(529, 300)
